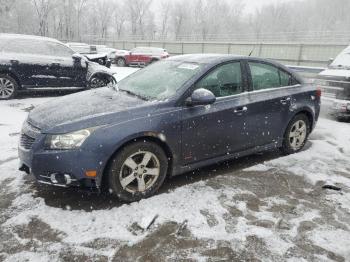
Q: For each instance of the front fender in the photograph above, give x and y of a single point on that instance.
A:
(163, 127)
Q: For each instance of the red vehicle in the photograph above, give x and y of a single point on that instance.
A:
(140, 56)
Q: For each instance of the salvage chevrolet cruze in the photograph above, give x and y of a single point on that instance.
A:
(175, 116)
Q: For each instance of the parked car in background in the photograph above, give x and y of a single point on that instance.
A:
(91, 53)
(38, 63)
(140, 56)
(335, 81)
(172, 117)
(111, 52)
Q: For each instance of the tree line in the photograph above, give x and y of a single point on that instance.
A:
(78, 20)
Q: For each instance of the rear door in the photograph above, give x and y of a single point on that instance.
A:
(146, 56)
(218, 129)
(134, 56)
(270, 103)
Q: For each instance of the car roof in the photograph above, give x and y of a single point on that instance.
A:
(76, 43)
(27, 37)
(150, 48)
(215, 59)
(205, 58)
(219, 58)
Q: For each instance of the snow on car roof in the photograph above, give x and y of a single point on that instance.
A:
(33, 37)
(203, 58)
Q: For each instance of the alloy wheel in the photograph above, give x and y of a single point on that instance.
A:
(97, 83)
(139, 172)
(297, 135)
(6, 88)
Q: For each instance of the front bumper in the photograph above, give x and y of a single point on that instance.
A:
(61, 168)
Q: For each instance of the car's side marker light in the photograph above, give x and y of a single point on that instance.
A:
(91, 173)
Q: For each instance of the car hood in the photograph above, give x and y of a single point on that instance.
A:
(335, 74)
(83, 107)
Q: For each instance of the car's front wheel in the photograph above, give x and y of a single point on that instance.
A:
(97, 82)
(296, 134)
(8, 87)
(137, 171)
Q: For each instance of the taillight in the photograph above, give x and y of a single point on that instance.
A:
(318, 92)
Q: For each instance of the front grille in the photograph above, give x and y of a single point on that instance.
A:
(26, 141)
(29, 134)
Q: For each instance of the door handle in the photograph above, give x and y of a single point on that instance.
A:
(241, 109)
(285, 100)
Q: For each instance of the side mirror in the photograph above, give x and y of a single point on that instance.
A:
(77, 57)
(330, 61)
(201, 97)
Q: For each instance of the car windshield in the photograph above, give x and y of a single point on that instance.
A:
(342, 60)
(160, 80)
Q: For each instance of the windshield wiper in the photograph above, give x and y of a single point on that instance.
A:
(340, 67)
(134, 94)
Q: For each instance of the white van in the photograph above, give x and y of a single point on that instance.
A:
(335, 81)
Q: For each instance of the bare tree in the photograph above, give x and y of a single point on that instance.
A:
(138, 11)
(165, 8)
(81, 5)
(43, 9)
(176, 19)
(179, 17)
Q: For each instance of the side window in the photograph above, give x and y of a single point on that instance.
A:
(266, 76)
(285, 78)
(27, 46)
(59, 50)
(137, 51)
(226, 80)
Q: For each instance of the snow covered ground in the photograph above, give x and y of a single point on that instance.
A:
(264, 207)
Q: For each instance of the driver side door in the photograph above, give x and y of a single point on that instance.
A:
(69, 72)
(216, 130)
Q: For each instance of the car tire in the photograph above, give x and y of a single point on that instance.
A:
(8, 87)
(121, 62)
(153, 61)
(96, 82)
(137, 171)
(296, 135)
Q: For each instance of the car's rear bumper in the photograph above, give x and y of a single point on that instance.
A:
(340, 109)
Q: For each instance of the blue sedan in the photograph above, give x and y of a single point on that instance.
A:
(172, 117)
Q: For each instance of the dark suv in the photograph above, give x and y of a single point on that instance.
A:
(172, 117)
(33, 62)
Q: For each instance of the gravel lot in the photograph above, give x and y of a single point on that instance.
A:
(260, 208)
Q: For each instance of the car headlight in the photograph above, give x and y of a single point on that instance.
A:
(67, 141)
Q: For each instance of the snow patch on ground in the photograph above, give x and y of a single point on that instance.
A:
(336, 240)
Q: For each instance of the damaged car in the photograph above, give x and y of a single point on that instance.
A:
(36, 63)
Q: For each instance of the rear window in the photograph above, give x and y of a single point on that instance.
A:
(158, 51)
(265, 76)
